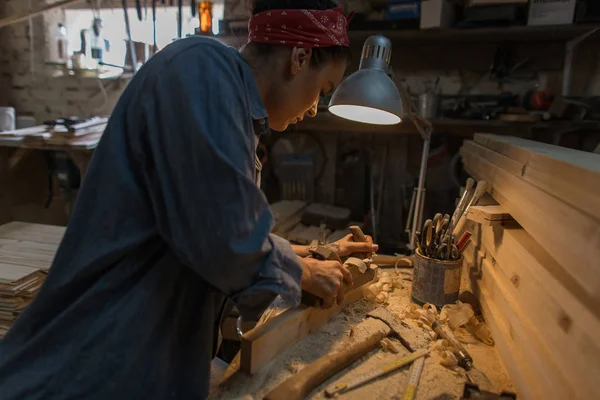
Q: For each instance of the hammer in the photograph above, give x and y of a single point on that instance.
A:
(387, 324)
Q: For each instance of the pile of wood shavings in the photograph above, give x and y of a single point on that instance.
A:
(437, 382)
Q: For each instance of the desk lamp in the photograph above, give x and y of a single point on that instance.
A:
(370, 96)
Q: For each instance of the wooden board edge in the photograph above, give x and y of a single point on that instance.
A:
(270, 332)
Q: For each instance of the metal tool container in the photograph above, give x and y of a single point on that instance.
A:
(434, 281)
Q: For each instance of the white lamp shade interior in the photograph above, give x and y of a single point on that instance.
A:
(368, 115)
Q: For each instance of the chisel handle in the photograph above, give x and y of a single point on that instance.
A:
(359, 236)
(299, 386)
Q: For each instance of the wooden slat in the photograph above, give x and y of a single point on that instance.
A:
(555, 318)
(265, 342)
(32, 232)
(570, 236)
(29, 246)
(31, 255)
(517, 363)
(26, 262)
(10, 273)
(566, 164)
(581, 193)
(489, 215)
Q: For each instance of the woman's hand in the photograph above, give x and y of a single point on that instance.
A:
(346, 246)
(325, 279)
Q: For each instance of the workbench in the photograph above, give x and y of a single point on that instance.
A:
(437, 382)
(80, 153)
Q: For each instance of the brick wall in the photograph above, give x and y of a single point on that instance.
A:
(29, 86)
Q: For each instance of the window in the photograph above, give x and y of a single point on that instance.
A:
(114, 31)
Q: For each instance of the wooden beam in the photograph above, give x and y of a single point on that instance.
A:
(25, 16)
(515, 362)
(549, 176)
(566, 164)
(265, 342)
(552, 319)
(489, 215)
(567, 234)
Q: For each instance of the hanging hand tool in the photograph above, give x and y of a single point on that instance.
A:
(301, 384)
(180, 19)
(462, 219)
(343, 387)
(194, 8)
(461, 204)
(145, 10)
(132, 54)
(138, 8)
(154, 26)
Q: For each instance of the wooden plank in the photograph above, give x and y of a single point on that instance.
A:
(544, 318)
(568, 235)
(32, 232)
(26, 262)
(265, 342)
(546, 369)
(566, 323)
(566, 164)
(580, 194)
(29, 255)
(489, 215)
(29, 246)
(10, 273)
(516, 363)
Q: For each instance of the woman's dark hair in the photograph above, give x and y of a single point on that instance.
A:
(320, 55)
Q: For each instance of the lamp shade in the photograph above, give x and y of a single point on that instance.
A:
(370, 95)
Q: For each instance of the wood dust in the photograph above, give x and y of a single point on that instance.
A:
(437, 382)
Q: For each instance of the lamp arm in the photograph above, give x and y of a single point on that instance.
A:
(425, 128)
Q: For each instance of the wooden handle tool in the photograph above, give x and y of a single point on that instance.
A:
(359, 236)
(462, 219)
(299, 386)
(382, 323)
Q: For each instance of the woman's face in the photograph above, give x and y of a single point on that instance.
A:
(299, 91)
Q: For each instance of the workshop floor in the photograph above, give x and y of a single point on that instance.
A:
(437, 382)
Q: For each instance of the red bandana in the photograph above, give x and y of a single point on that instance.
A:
(300, 28)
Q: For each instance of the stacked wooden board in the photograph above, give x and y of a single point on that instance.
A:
(26, 253)
(85, 134)
(538, 281)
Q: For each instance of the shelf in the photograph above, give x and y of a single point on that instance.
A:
(552, 33)
(326, 122)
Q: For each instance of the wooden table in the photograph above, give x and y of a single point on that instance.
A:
(80, 153)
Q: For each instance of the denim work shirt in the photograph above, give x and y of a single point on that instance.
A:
(168, 224)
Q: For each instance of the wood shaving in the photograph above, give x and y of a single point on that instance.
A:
(388, 345)
(382, 297)
(295, 366)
